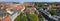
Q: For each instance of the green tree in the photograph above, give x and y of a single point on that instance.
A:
(53, 12)
(33, 17)
(21, 17)
(41, 18)
(18, 18)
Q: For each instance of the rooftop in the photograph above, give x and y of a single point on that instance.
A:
(3, 11)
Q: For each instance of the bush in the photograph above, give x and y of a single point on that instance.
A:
(53, 12)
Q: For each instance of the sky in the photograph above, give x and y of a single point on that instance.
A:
(30, 0)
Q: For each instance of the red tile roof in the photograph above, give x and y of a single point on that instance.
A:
(8, 18)
(54, 6)
(19, 7)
